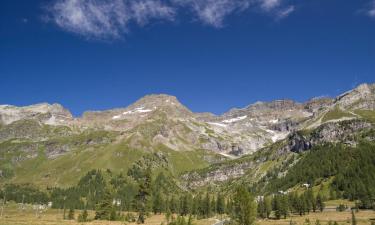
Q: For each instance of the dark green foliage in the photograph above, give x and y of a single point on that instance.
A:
(25, 193)
(320, 203)
(105, 208)
(352, 169)
(244, 207)
(220, 204)
(280, 205)
(71, 214)
(143, 195)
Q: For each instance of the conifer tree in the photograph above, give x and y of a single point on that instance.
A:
(143, 196)
(207, 206)
(220, 204)
(320, 203)
(268, 206)
(245, 208)
(354, 220)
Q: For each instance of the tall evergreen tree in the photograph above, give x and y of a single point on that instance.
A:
(354, 220)
(207, 206)
(268, 205)
(320, 202)
(143, 195)
(245, 209)
(220, 204)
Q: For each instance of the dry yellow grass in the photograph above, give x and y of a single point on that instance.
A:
(15, 216)
(363, 217)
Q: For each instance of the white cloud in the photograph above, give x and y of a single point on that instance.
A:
(144, 11)
(270, 4)
(110, 19)
(106, 18)
(371, 11)
(213, 12)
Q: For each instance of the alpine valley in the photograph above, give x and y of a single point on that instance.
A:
(271, 147)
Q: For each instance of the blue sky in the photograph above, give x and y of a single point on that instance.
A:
(212, 55)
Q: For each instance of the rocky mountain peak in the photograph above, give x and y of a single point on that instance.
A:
(162, 102)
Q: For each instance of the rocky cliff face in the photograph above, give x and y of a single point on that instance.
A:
(362, 97)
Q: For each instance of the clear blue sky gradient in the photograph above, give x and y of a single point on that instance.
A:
(323, 48)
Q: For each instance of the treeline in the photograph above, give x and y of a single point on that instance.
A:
(352, 170)
(285, 204)
(24, 193)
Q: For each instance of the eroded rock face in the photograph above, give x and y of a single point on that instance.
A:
(343, 132)
(195, 179)
(362, 97)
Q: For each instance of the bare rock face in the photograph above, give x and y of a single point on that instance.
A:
(340, 132)
(45, 113)
(362, 97)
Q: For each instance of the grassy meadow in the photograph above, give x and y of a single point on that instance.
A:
(14, 215)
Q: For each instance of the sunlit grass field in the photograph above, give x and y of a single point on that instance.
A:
(14, 215)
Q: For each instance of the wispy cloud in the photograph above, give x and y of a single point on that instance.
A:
(110, 19)
(213, 12)
(270, 4)
(106, 18)
(281, 14)
(371, 11)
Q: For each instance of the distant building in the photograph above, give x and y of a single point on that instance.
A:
(259, 198)
(116, 202)
(306, 185)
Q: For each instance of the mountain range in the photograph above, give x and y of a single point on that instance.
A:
(45, 145)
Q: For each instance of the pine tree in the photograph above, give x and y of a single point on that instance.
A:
(277, 207)
(261, 209)
(268, 206)
(320, 203)
(71, 214)
(311, 203)
(185, 205)
(207, 206)
(220, 204)
(245, 209)
(354, 220)
(284, 206)
(143, 195)
(104, 207)
(158, 203)
(173, 205)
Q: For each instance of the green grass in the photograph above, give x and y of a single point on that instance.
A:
(335, 114)
(366, 114)
(68, 168)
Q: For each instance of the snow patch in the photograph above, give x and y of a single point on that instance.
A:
(136, 110)
(234, 119)
(276, 136)
(274, 121)
(228, 155)
(218, 124)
